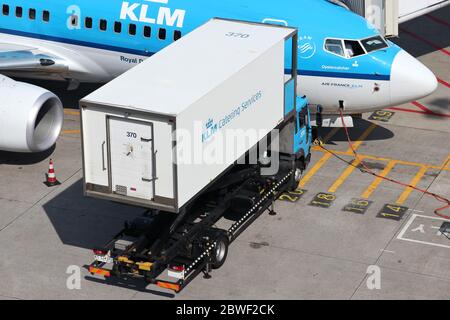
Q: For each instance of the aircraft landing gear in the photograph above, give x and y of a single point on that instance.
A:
(319, 123)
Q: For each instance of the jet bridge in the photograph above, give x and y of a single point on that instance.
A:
(383, 14)
(386, 15)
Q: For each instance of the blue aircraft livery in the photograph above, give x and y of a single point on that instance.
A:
(342, 60)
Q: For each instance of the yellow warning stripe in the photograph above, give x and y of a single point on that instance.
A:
(376, 182)
(147, 266)
(70, 131)
(405, 195)
(71, 112)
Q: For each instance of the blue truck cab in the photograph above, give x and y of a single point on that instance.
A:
(295, 135)
(303, 132)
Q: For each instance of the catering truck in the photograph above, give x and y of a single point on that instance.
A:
(208, 132)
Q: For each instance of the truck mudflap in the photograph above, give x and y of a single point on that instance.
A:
(211, 244)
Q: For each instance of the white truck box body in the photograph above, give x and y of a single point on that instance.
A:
(222, 76)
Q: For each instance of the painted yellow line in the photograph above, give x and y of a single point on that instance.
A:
(406, 163)
(71, 132)
(446, 163)
(347, 172)
(362, 138)
(314, 169)
(71, 112)
(311, 172)
(405, 195)
(376, 182)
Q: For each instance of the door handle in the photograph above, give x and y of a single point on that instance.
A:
(103, 155)
(149, 180)
(146, 140)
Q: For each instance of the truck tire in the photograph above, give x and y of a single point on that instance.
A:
(220, 252)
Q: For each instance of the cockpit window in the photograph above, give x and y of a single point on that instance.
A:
(335, 46)
(353, 48)
(374, 43)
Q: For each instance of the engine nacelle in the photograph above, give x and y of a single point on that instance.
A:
(31, 117)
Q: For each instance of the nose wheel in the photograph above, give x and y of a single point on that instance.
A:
(319, 123)
(319, 117)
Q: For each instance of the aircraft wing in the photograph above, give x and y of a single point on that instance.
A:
(18, 58)
(409, 10)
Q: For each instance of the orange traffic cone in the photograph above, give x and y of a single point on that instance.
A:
(51, 176)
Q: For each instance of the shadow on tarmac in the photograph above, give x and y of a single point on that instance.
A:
(16, 158)
(361, 125)
(129, 283)
(86, 222)
(428, 29)
(442, 103)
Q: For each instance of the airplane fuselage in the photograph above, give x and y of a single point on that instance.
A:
(99, 41)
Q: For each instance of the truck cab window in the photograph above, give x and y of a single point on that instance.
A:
(335, 46)
(302, 118)
(5, 10)
(353, 48)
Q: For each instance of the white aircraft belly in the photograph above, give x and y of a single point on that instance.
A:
(87, 64)
(358, 95)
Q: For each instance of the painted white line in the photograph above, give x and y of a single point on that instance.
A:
(412, 210)
(433, 218)
(406, 227)
(408, 224)
(424, 242)
(387, 251)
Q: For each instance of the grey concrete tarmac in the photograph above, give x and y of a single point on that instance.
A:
(304, 252)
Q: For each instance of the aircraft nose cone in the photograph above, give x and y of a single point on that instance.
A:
(410, 79)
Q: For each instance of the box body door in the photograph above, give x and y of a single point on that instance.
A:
(131, 156)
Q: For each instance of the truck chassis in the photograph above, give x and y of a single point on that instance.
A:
(189, 243)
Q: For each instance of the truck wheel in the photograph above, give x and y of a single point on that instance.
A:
(220, 252)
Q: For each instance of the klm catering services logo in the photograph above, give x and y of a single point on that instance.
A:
(211, 128)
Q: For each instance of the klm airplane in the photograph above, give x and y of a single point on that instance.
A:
(343, 61)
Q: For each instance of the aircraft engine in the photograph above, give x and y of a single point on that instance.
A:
(30, 117)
